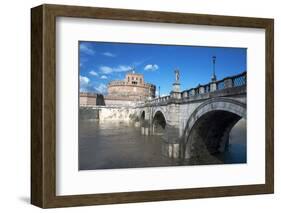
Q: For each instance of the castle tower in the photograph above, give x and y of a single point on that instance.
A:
(133, 87)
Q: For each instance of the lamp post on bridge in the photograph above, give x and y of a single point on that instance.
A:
(213, 85)
(214, 77)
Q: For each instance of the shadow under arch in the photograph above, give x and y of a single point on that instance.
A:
(207, 129)
(159, 122)
(142, 116)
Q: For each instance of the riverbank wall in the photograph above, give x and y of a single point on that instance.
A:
(125, 114)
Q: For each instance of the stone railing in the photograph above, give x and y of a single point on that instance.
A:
(159, 100)
(233, 81)
(228, 82)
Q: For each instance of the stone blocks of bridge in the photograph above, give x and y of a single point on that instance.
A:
(171, 150)
(145, 128)
(228, 83)
(171, 142)
(213, 86)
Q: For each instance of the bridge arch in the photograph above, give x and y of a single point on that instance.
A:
(158, 109)
(207, 129)
(142, 115)
(159, 122)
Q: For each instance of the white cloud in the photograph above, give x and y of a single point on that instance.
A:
(137, 63)
(106, 69)
(120, 68)
(101, 88)
(93, 73)
(109, 54)
(84, 80)
(84, 83)
(103, 77)
(87, 86)
(151, 67)
(86, 49)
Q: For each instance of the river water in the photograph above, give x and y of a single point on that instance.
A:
(111, 145)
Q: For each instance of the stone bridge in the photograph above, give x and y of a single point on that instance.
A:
(197, 121)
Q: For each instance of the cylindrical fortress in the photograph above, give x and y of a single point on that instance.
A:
(132, 87)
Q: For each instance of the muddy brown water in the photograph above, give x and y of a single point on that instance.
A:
(112, 145)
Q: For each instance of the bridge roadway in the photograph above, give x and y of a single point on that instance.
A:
(197, 121)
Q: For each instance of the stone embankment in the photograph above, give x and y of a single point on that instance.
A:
(122, 114)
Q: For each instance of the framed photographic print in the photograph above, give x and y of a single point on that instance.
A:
(136, 106)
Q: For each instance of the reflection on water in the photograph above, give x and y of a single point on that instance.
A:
(111, 145)
(237, 152)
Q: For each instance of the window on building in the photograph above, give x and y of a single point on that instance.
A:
(128, 79)
(140, 80)
(132, 78)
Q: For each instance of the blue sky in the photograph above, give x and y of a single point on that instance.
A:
(102, 62)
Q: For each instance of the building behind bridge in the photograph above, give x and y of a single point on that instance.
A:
(125, 92)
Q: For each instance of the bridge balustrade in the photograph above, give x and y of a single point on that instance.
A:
(220, 85)
(233, 81)
(239, 80)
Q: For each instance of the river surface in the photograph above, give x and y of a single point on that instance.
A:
(111, 145)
